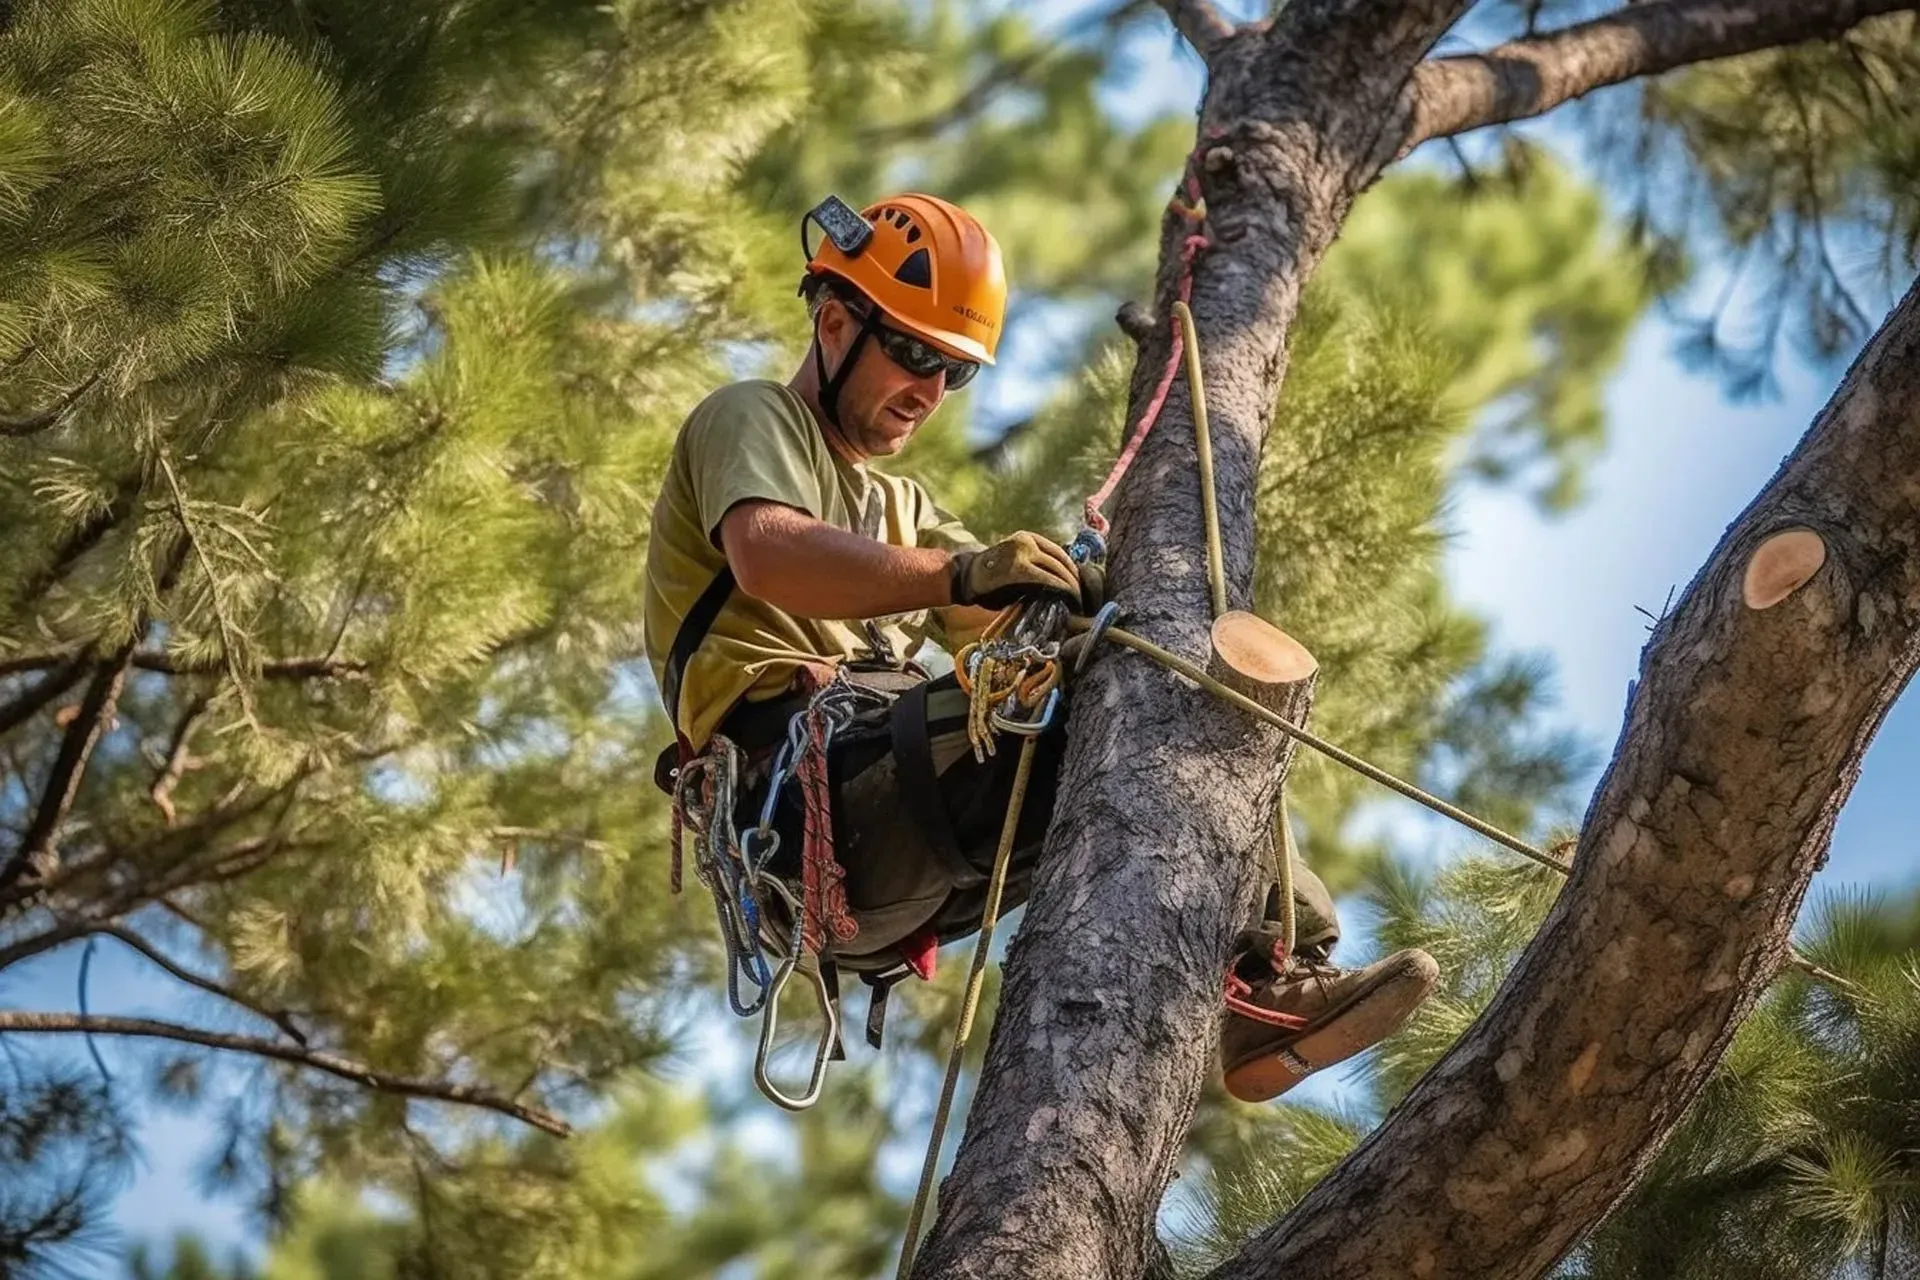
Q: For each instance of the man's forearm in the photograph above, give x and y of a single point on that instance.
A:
(811, 569)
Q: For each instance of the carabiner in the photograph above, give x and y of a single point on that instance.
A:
(770, 1025)
(770, 1020)
(1096, 632)
(1030, 728)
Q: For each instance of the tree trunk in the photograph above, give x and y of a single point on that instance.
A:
(1742, 743)
(1111, 1006)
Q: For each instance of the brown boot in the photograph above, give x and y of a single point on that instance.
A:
(1319, 1015)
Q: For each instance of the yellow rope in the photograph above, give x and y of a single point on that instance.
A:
(1173, 662)
(1287, 855)
(970, 1002)
(1209, 507)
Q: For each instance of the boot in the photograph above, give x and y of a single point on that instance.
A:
(1321, 1015)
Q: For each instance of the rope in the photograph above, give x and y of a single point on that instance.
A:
(1189, 248)
(823, 882)
(1209, 505)
(1181, 666)
(1173, 662)
(1287, 855)
(970, 1003)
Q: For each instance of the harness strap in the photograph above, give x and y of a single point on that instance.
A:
(687, 640)
(830, 978)
(920, 785)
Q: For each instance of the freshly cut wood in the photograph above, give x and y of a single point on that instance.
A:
(1782, 566)
(1250, 655)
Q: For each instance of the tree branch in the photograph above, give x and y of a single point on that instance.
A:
(56, 682)
(82, 540)
(1003, 75)
(1200, 23)
(174, 767)
(22, 663)
(277, 669)
(52, 416)
(39, 849)
(278, 1017)
(1693, 861)
(317, 1059)
(1528, 77)
(229, 633)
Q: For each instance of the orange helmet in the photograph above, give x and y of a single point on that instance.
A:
(929, 265)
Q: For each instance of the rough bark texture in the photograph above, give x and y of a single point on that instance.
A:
(1528, 77)
(1743, 738)
(1111, 1002)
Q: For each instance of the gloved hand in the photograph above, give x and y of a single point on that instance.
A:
(1024, 566)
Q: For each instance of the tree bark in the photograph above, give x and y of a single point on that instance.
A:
(1529, 77)
(1111, 999)
(1156, 857)
(1743, 739)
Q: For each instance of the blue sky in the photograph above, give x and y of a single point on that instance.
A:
(1681, 465)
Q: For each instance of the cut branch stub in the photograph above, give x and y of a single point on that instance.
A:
(1781, 566)
(1250, 655)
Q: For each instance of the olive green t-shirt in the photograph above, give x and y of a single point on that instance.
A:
(758, 440)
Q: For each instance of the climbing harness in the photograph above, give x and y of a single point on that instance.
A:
(734, 865)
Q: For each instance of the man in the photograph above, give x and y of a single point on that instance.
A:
(778, 556)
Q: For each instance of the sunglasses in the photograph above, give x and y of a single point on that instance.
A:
(919, 358)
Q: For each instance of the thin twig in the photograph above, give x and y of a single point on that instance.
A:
(86, 967)
(229, 640)
(277, 669)
(23, 708)
(175, 765)
(39, 849)
(278, 1017)
(52, 416)
(1004, 74)
(317, 1059)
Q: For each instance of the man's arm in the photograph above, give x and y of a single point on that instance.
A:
(811, 569)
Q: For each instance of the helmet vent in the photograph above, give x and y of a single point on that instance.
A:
(917, 270)
(913, 234)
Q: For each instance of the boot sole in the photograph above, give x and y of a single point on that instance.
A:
(1270, 1071)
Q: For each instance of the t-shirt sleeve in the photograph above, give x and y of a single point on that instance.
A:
(935, 527)
(747, 443)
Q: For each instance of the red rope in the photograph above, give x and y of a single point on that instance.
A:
(1189, 248)
(822, 882)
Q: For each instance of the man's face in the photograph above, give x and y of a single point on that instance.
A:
(881, 404)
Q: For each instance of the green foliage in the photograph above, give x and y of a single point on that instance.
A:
(1806, 158)
(348, 473)
(341, 348)
(66, 1128)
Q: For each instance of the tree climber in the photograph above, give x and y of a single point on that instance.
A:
(781, 562)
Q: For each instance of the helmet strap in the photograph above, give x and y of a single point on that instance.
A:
(830, 386)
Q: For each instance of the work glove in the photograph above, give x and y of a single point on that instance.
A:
(1023, 567)
(1093, 588)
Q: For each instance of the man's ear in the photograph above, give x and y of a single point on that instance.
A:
(835, 328)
